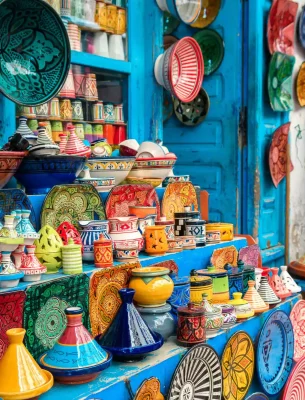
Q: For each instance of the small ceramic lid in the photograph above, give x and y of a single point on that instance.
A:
(182, 280)
(238, 301)
(213, 272)
(226, 308)
(102, 240)
(150, 271)
(200, 281)
(155, 310)
(164, 221)
(191, 309)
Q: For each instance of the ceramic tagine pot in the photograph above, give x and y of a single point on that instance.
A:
(266, 292)
(213, 317)
(48, 249)
(155, 240)
(90, 231)
(277, 285)
(21, 377)
(191, 325)
(258, 275)
(229, 316)
(159, 319)
(25, 131)
(199, 286)
(181, 293)
(74, 145)
(152, 285)
(220, 283)
(242, 308)
(289, 281)
(44, 145)
(236, 280)
(31, 266)
(124, 233)
(128, 337)
(255, 300)
(76, 357)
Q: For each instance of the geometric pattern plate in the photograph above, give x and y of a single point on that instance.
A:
(197, 376)
(295, 387)
(275, 352)
(237, 365)
(297, 318)
(250, 255)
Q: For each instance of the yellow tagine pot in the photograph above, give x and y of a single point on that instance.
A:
(20, 376)
(152, 285)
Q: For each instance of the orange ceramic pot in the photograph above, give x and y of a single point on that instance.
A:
(103, 256)
(156, 241)
(142, 211)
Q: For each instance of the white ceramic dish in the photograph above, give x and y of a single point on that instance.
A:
(117, 167)
(153, 167)
(150, 150)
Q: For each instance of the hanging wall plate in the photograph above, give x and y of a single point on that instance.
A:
(301, 85)
(302, 28)
(208, 13)
(195, 112)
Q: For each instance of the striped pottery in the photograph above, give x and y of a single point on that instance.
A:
(23, 128)
(254, 299)
(65, 8)
(266, 292)
(74, 34)
(79, 130)
(54, 109)
(42, 110)
(75, 146)
(112, 16)
(77, 110)
(68, 89)
(98, 111)
(72, 258)
(63, 143)
(118, 113)
(65, 109)
(101, 14)
(29, 112)
(91, 231)
(91, 93)
(48, 127)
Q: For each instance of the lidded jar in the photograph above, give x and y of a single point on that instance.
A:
(242, 308)
(181, 294)
(199, 286)
(213, 317)
(191, 325)
(72, 258)
(220, 283)
(103, 255)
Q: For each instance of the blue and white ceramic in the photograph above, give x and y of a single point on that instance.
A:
(89, 232)
(196, 228)
(25, 229)
(274, 355)
(181, 294)
(302, 28)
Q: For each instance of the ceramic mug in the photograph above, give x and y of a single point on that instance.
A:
(88, 132)
(101, 14)
(98, 111)
(65, 109)
(116, 47)
(101, 44)
(54, 109)
(112, 16)
(97, 130)
(77, 110)
(29, 112)
(108, 133)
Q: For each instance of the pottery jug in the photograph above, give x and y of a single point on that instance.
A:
(191, 325)
(90, 232)
(124, 233)
(155, 240)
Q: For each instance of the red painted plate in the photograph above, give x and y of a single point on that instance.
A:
(295, 387)
(297, 318)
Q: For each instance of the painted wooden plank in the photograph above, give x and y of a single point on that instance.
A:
(103, 63)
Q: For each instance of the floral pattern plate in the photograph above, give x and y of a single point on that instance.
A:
(301, 85)
(149, 390)
(104, 295)
(44, 317)
(34, 51)
(226, 255)
(15, 199)
(178, 195)
(123, 196)
(195, 112)
(280, 82)
(237, 366)
(250, 255)
(186, 384)
(274, 353)
(71, 203)
(212, 48)
(297, 318)
(278, 154)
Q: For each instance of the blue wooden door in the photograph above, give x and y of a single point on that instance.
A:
(211, 152)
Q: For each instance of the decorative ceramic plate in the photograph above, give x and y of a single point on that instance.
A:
(178, 195)
(226, 255)
(208, 13)
(237, 364)
(281, 26)
(295, 387)
(168, 40)
(297, 318)
(15, 199)
(170, 23)
(149, 390)
(44, 311)
(34, 51)
(123, 196)
(278, 154)
(274, 354)
(104, 295)
(169, 264)
(302, 28)
(301, 85)
(258, 396)
(250, 255)
(205, 383)
(168, 106)
(280, 82)
(71, 203)
(195, 112)
(212, 48)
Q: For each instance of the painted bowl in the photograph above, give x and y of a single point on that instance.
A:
(9, 164)
(150, 149)
(153, 167)
(133, 180)
(100, 184)
(186, 11)
(142, 211)
(39, 174)
(126, 254)
(117, 167)
(129, 148)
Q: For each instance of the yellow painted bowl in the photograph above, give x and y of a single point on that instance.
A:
(152, 285)
(226, 230)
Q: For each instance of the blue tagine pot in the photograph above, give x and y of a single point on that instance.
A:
(128, 337)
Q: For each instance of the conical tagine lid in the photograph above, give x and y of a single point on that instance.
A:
(278, 286)
(74, 145)
(20, 375)
(254, 299)
(289, 281)
(266, 292)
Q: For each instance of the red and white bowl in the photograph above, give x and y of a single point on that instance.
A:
(153, 167)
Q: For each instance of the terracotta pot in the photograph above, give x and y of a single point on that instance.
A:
(156, 241)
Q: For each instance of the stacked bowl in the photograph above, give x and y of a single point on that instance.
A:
(186, 11)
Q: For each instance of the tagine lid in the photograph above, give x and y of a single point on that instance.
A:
(72, 245)
(186, 214)
(213, 272)
(254, 299)
(180, 280)
(237, 300)
(195, 222)
(191, 309)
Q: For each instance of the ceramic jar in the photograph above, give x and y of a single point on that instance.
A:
(124, 233)
(29, 112)
(77, 110)
(118, 113)
(220, 280)
(8, 230)
(54, 109)
(72, 258)
(79, 81)
(159, 319)
(155, 240)
(196, 228)
(181, 293)
(126, 254)
(200, 285)
(213, 317)
(242, 308)
(169, 227)
(226, 231)
(120, 28)
(152, 285)
(212, 236)
(191, 325)
(103, 256)
(180, 221)
(248, 274)
(111, 18)
(90, 231)
(236, 282)
(109, 112)
(229, 316)
(48, 249)
(149, 220)
(91, 93)
(101, 14)
(65, 109)
(98, 112)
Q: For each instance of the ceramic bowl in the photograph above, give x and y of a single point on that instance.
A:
(44, 150)
(153, 167)
(155, 182)
(39, 174)
(9, 163)
(150, 150)
(142, 211)
(100, 184)
(129, 147)
(117, 167)
(186, 11)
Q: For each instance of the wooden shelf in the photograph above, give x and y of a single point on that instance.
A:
(76, 121)
(103, 63)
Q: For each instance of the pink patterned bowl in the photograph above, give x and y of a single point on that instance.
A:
(9, 163)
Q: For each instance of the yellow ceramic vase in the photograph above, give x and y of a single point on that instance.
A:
(152, 285)
(155, 240)
(20, 376)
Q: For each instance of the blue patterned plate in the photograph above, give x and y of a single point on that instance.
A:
(34, 51)
(274, 356)
(257, 396)
(15, 199)
(302, 28)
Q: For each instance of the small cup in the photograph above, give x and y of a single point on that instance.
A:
(88, 132)
(54, 109)
(98, 111)
(120, 28)
(101, 44)
(116, 47)
(109, 112)
(112, 16)
(118, 113)
(33, 125)
(77, 110)
(42, 111)
(65, 9)
(57, 129)
(79, 130)
(29, 112)
(101, 14)
(65, 109)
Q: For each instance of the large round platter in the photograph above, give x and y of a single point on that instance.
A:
(275, 352)
(35, 51)
(257, 396)
(297, 318)
(194, 112)
(205, 383)
(295, 387)
(237, 364)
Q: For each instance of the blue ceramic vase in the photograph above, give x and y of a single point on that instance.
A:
(181, 293)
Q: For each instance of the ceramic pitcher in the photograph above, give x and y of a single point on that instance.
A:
(91, 231)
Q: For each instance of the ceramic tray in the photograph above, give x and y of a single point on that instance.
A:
(123, 196)
(71, 203)
(297, 318)
(15, 199)
(203, 359)
(237, 366)
(178, 195)
(274, 354)
(35, 39)
(195, 112)
(212, 48)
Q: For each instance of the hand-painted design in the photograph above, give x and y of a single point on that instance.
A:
(237, 365)
(15, 199)
(149, 390)
(34, 52)
(250, 255)
(11, 313)
(281, 26)
(169, 264)
(71, 203)
(295, 388)
(226, 255)
(297, 318)
(123, 196)
(44, 318)
(275, 352)
(195, 112)
(280, 82)
(183, 193)
(301, 85)
(258, 396)
(302, 28)
(187, 385)
(212, 48)
(104, 295)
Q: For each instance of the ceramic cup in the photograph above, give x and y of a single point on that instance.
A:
(91, 88)
(98, 111)
(109, 112)
(29, 112)
(101, 14)
(77, 110)
(33, 125)
(54, 109)
(119, 134)
(120, 28)
(65, 109)
(97, 131)
(101, 44)
(74, 34)
(118, 113)
(65, 9)
(79, 130)
(88, 132)
(112, 16)
(42, 111)
(116, 47)
(109, 131)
